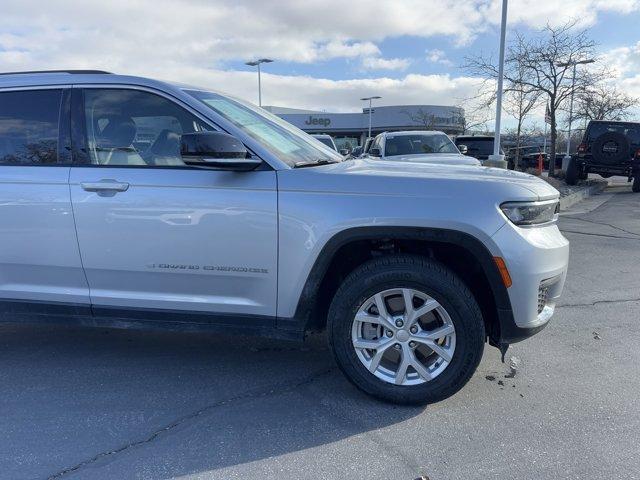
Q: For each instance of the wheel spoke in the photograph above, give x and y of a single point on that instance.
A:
(435, 334)
(428, 306)
(401, 373)
(407, 296)
(381, 306)
(420, 368)
(441, 351)
(365, 317)
(370, 344)
(375, 360)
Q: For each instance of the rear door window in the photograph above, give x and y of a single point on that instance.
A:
(29, 127)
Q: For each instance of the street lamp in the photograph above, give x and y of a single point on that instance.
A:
(256, 63)
(497, 159)
(567, 157)
(370, 99)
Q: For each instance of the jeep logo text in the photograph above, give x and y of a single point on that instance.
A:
(324, 122)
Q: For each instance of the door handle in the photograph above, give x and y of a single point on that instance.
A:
(105, 188)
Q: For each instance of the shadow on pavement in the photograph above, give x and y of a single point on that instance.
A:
(123, 404)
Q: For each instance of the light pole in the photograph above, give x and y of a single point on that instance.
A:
(497, 160)
(256, 63)
(370, 99)
(567, 157)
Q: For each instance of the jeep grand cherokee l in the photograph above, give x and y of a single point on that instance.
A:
(132, 203)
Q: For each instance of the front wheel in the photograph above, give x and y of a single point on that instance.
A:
(406, 329)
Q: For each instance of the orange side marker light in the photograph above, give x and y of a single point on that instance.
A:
(504, 272)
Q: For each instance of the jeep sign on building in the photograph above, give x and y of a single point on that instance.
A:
(351, 129)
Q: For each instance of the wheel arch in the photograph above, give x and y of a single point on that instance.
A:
(348, 249)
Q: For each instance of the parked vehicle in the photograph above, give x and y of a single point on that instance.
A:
(477, 146)
(327, 140)
(357, 151)
(529, 158)
(226, 218)
(608, 148)
(418, 146)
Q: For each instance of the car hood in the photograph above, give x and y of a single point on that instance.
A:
(383, 177)
(443, 158)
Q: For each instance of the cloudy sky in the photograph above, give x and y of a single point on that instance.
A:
(328, 53)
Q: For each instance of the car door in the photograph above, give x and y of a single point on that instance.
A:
(158, 235)
(39, 258)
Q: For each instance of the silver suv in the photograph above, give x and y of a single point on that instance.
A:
(426, 146)
(132, 203)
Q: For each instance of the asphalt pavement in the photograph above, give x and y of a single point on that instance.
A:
(79, 403)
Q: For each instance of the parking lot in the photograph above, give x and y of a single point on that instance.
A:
(96, 403)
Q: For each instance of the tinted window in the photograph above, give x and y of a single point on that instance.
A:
(632, 132)
(29, 127)
(418, 144)
(477, 146)
(134, 128)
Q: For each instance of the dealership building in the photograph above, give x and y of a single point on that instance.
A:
(351, 129)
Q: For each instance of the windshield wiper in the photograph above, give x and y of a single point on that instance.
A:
(315, 163)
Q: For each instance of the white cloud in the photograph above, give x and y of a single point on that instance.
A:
(193, 40)
(333, 95)
(343, 49)
(379, 63)
(537, 13)
(623, 60)
(624, 63)
(211, 31)
(438, 56)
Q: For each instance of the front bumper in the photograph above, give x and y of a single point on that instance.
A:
(537, 260)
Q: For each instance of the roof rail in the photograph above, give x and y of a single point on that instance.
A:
(73, 72)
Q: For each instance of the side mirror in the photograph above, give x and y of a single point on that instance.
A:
(463, 149)
(344, 151)
(375, 152)
(216, 150)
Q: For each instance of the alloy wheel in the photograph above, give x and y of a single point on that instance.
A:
(403, 336)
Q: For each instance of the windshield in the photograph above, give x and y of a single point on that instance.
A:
(418, 144)
(288, 143)
(327, 141)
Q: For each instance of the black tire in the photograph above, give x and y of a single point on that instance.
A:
(437, 281)
(636, 184)
(572, 174)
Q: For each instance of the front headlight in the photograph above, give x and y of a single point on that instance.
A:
(531, 213)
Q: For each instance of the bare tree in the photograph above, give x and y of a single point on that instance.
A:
(519, 101)
(475, 112)
(421, 117)
(603, 102)
(474, 120)
(544, 64)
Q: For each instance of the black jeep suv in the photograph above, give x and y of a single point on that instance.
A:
(608, 148)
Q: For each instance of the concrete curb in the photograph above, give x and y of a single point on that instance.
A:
(589, 190)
